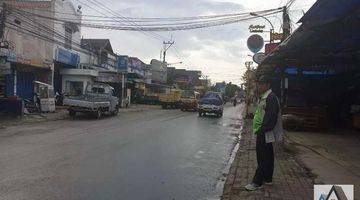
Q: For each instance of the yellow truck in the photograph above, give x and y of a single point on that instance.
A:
(170, 99)
(189, 100)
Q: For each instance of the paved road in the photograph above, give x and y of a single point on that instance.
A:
(155, 154)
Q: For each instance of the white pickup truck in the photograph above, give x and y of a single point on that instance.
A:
(98, 99)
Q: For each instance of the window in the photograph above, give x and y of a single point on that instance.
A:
(98, 90)
(74, 88)
(68, 37)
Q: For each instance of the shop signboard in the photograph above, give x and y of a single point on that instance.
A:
(276, 36)
(255, 43)
(270, 47)
(136, 66)
(67, 57)
(108, 77)
(122, 63)
(13, 57)
(256, 28)
(4, 66)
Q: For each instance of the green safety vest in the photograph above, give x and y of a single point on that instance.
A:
(258, 116)
(273, 135)
(257, 121)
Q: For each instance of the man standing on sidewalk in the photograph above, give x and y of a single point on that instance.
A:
(267, 126)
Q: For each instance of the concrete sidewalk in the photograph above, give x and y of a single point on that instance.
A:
(333, 157)
(60, 114)
(291, 181)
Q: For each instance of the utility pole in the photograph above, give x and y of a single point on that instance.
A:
(167, 45)
(286, 24)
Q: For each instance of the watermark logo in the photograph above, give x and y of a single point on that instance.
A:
(333, 192)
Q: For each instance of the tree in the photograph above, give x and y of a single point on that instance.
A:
(231, 89)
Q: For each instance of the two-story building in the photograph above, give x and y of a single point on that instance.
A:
(182, 78)
(28, 55)
(158, 72)
(107, 65)
(43, 47)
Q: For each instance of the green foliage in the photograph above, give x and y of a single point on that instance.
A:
(231, 89)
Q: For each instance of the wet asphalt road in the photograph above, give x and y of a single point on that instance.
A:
(155, 154)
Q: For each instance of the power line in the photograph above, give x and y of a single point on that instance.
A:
(156, 37)
(150, 19)
(165, 28)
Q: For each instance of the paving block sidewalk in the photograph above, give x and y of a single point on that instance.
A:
(291, 181)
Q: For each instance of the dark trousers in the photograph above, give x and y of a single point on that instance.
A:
(265, 160)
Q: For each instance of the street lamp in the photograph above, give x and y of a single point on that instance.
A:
(272, 26)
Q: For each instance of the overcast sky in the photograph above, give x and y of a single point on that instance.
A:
(219, 52)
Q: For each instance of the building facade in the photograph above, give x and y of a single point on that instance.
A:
(29, 55)
(158, 72)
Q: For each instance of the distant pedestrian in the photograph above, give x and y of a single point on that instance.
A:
(267, 126)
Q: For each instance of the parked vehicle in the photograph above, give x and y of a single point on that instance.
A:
(170, 99)
(98, 99)
(211, 102)
(189, 100)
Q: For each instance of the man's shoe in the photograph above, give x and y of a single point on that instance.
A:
(268, 183)
(252, 187)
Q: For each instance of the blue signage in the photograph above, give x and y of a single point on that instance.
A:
(67, 57)
(122, 63)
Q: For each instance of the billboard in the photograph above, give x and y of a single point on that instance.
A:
(123, 63)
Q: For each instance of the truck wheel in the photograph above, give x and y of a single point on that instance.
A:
(98, 114)
(72, 113)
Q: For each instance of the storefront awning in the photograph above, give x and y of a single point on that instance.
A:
(332, 44)
(326, 11)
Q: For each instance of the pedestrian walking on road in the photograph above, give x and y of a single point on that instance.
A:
(267, 126)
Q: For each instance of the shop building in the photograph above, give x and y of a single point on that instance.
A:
(158, 72)
(182, 78)
(316, 70)
(27, 57)
(67, 54)
(107, 64)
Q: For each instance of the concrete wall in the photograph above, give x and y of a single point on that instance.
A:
(66, 6)
(26, 35)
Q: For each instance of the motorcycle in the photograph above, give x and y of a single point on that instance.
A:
(59, 98)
